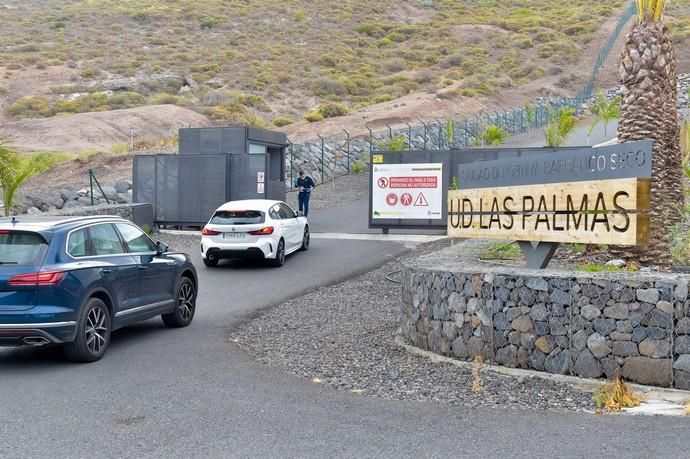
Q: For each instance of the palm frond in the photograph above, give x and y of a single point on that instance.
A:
(650, 10)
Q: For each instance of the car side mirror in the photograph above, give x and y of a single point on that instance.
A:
(162, 247)
(299, 213)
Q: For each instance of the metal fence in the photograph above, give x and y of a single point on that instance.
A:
(336, 156)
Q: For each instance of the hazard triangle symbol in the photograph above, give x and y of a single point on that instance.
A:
(421, 201)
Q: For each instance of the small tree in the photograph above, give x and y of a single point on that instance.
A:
(396, 143)
(494, 135)
(561, 125)
(604, 111)
(450, 132)
(530, 112)
(15, 170)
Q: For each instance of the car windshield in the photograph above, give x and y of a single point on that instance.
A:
(237, 217)
(21, 248)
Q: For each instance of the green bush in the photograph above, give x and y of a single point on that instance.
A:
(333, 110)
(208, 23)
(300, 16)
(31, 107)
(382, 98)
(370, 30)
(234, 115)
(252, 100)
(313, 117)
(494, 135)
(125, 100)
(281, 121)
(328, 86)
(396, 143)
(89, 73)
(120, 148)
(140, 16)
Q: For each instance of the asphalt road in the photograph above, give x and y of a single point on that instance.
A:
(192, 393)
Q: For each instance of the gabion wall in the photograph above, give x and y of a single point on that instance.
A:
(583, 324)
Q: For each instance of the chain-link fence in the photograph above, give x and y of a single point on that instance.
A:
(340, 155)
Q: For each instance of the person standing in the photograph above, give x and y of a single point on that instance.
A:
(305, 184)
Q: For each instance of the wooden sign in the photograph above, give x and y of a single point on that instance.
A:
(612, 211)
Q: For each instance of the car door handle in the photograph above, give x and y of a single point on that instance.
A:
(142, 267)
(106, 270)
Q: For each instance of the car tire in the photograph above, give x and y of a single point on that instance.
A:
(306, 239)
(93, 333)
(211, 263)
(185, 305)
(279, 260)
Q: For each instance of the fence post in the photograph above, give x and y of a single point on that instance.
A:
(425, 133)
(292, 165)
(439, 143)
(371, 141)
(348, 150)
(322, 142)
(409, 137)
(91, 185)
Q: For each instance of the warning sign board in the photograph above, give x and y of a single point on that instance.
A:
(407, 191)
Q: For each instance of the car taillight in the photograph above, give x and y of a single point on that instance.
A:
(262, 232)
(36, 279)
(208, 232)
(4, 231)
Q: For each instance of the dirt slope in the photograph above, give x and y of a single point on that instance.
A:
(99, 130)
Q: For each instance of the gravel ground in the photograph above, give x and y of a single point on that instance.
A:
(344, 336)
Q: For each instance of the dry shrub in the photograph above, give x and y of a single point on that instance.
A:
(616, 395)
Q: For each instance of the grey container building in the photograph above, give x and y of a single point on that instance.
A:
(213, 166)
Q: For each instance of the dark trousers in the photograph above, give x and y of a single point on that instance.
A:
(303, 201)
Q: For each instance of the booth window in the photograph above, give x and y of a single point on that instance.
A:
(256, 149)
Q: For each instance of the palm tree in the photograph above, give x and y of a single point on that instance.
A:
(648, 111)
(603, 111)
(14, 171)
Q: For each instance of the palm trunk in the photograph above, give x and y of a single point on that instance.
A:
(648, 111)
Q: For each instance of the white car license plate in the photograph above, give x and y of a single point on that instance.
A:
(233, 235)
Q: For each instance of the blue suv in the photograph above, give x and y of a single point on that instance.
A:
(73, 280)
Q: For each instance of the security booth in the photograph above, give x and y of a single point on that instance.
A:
(213, 166)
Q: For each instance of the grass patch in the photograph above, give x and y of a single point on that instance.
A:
(500, 251)
(592, 267)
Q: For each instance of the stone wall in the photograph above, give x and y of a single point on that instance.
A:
(141, 214)
(564, 322)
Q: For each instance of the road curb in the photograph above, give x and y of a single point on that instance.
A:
(658, 401)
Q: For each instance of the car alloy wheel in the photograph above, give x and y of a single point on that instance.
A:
(279, 260)
(185, 301)
(93, 333)
(305, 239)
(96, 330)
(185, 305)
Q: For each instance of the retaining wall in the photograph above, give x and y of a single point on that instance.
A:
(141, 214)
(578, 323)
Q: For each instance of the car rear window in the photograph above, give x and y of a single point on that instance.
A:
(21, 248)
(238, 217)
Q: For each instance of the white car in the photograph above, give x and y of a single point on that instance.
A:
(255, 228)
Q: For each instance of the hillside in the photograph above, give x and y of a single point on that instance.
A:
(267, 62)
